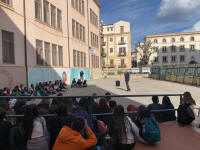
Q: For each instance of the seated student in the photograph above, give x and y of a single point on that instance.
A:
(70, 138)
(26, 92)
(54, 124)
(5, 127)
(132, 108)
(166, 104)
(79, 83)
(112, 105)
(123, 130)
(85, 83)
(73, 85)
(186, 114)
(156, 106)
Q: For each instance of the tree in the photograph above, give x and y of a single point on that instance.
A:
(145, 50)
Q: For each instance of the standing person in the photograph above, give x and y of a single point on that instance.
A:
(82, 76)
(70, 138)
(127, 78)
(35, 129)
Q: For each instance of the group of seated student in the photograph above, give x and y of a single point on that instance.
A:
(72, 127)
(79, 83)
(40, 89)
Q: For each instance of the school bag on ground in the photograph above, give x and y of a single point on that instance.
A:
(185, 114)
(151, 130)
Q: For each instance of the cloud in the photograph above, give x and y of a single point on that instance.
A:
(196, 27)
(178, 10)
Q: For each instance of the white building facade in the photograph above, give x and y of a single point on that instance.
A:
(175, 48)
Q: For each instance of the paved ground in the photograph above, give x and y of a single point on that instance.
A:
(138, 86)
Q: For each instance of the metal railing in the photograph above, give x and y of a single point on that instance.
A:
(90, 101)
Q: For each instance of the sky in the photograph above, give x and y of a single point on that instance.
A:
(153, 16)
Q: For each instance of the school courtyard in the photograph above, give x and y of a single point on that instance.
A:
(142, 86)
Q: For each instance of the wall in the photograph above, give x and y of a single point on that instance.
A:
(47, 74)
(75, 73)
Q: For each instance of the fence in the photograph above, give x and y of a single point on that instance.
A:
(188, 74)
(90, 101)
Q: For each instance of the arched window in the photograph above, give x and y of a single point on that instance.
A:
(181, 39)
(155, 41)
(164, 40)
(173, 40)
(192, 38)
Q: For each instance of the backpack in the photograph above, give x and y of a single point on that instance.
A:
(185, 114)
(151, 131)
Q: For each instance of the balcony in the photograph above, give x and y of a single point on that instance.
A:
(111, 66)
(104, 44)
(103, 54)
(122, 66)
(122, 54)
(121, 43)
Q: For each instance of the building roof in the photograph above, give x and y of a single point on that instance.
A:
(172, 34)
(97, 2)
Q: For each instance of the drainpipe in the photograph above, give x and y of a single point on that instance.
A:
(68, 33)
(89, 41)
(25, 44)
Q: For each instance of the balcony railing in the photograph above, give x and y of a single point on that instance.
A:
(104, 44)
(122, 54)
(122, 66)
(111, 66)
(121, 43)
(103, 54)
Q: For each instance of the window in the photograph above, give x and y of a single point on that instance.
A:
(47, 53)
(60, 53)
(164, 50)
(182, 48)
(156, 59)
(73, 27)
(94, 18)
(53, 16)
(8, 47)
(192, 47)
(182, 58)
(78, 58)
(182, 39)
(39, 52)
(164, 59)
(8, 2)
(164, 40)
(84, 34)
(81, 59)
(192, 38)
(111, 62)
(54, 55)
(155, 41)
(77, 30)
(78, 5)
(156, 49)
(74, 58)
(111, 50)
(122, 39)
(46, 11)
(173, 40)
(94, 40)
(122, 50)
(84, 58)
(173, 59)
(173, 48)
(121, 28)
(111, 39)
(38, 9)
(122, 62)
(107, 28)
(83, 7)
(59, 19)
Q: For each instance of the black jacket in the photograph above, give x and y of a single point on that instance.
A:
(158, 115)
(54, 125)
(169, 115)
(5, 127)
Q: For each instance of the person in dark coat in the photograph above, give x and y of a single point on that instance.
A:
(54, 124)
(156, 106)
(127, 78)
(166, 104)
(5, 127)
